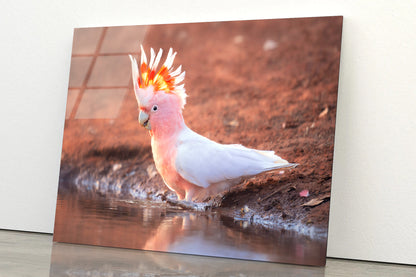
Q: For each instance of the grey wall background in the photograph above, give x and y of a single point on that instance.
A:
(373, 215)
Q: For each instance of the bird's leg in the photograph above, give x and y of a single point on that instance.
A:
(180, 196)
(187, 205)
(192, 192)
(189, 194)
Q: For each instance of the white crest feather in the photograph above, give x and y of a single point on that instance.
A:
(176, 72)
(143, 57)
(134, 71)
(169, 60)
(157, 60)
(152, 57)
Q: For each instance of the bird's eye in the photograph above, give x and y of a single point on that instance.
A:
(154, 108)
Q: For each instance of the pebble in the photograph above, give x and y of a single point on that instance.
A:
(116, 167)
(269, 45)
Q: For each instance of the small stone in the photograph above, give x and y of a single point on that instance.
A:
(245, 224)
(238, 39)
(269, 45)
(116, 167)
(233, 123)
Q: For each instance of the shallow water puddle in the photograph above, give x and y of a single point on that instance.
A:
(157, 226)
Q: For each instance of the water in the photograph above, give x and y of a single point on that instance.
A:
(157, 226)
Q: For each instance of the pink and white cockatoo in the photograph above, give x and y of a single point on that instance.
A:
(192, 166)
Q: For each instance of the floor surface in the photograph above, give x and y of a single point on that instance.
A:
(32, 254)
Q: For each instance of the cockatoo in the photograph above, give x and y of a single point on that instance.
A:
(192, 166)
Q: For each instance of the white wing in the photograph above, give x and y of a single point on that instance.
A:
(204, 162)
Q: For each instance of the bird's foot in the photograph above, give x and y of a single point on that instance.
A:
(189, 205)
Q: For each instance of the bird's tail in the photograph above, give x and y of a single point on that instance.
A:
(278, 162)
(252, 161)
(276, 159)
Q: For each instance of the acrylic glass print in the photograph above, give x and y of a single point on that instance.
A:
(233, 159)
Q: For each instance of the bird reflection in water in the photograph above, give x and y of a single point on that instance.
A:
(156, 226)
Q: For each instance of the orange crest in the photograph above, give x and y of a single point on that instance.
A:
(165, 79)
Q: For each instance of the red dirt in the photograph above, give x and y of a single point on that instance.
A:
(283, 99)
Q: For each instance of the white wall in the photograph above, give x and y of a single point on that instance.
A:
(373, 215)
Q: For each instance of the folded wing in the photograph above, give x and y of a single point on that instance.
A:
(204, 162)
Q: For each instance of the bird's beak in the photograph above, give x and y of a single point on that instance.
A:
(144, 120)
